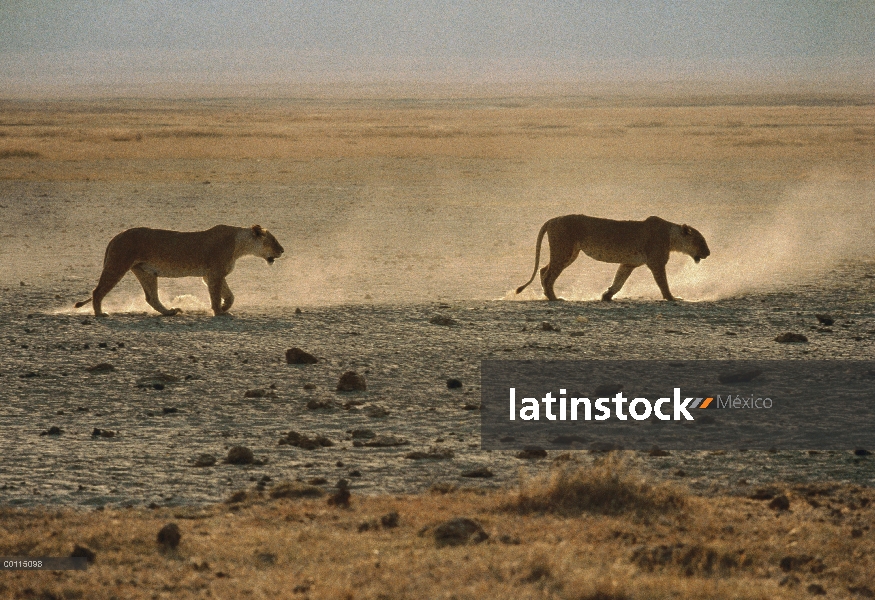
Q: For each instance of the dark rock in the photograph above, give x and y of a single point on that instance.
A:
(298, 311)
(608, 390)
(324, 403)
(362, 434)
(529, 452)
(861, 452)
(317, 481)
(53, 430)
(459, 531)
(155, 379)
(442, 320)
(296, 356)
(100, 368)
(545, 326)
(383, 441)
(296, 489)
(104, 433)
(472, 406)
(825, 319)
(433, 453)
(351, 382)
(240, 455)
(169, 410)
(815, 589)
(453, 384)
(799, 561)
(375, 411)
(856, 533)
(341, 496)
(256, 393)
(169, 536)
(389, 520)
(479, 472)
(305, 442)
(791, 338)
(309, 386)
(657, 451)
(83, 552)
(780, 503)
(205, 460)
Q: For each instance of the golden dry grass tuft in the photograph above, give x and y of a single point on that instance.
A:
(611, 485)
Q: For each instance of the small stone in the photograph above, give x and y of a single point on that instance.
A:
(375, 411)
(530, 452)
(256, 393)
(298, 311)
(459, 531)
(453, 384)
(169, 410)
(780, 503)
(472, 406)
(100, 368)
(856, 533)
(390, 520)
(791, 338)
(815, 589)
(546, 326)
(309, 386)
(205, 460)
(825, 319)
(295, 489)
(240, 455)
(861, 452)
(384, 441)
(104, 433)
(479, 472)
(362, 434)
(169, 536)
(320, 404)
(296, 356)
(657, 451)
(53, 430)
(442, 320)
(351, 382)
(433, 453)
(83, 552)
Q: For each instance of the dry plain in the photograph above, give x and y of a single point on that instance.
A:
(393, 212)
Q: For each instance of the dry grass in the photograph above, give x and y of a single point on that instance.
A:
(655, 543)
(612, 485)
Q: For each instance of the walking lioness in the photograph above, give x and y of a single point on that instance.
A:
(630, 243)
(154, 253)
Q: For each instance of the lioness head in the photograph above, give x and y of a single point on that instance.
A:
(693, 243)
(266, 245)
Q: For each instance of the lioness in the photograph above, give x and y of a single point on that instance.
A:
(630, 243)
(154, 253)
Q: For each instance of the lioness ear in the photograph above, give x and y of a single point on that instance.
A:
(258, 231)
(685, 229)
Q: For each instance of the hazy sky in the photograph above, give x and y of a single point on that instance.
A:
(56, 43)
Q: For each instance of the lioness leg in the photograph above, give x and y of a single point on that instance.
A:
(216, 285)
(227, 296)
(658, 271)
(149, 281)
(108, 280)
(561, 256)
(619, 279)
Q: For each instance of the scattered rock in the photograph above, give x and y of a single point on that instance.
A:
(530, 452)
(546, 326)
(453, 384)
(83, 552)
(324, 403)
(375, 411)
(205, 460)
(296, 489)
(296, 356)
(433, 453)
(100, 368)
(607, 390)
(472, 406)
(780, 503)
(104, 433)
(298, 311)
(351, 382)
(791, 338)
(478, 472)
(305, 442)
(169, 536)
(362, 434)
(442, 320)
(53, 430)
(815, 589)
(256, 393)
(861, 452)
(657, 451)
(825, 319)
(157, 379)
(309, 386)
(459, 531)
(382, 441)
(240, 455)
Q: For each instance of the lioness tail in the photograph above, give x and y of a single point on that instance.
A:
(81, 304)
(537, 257)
